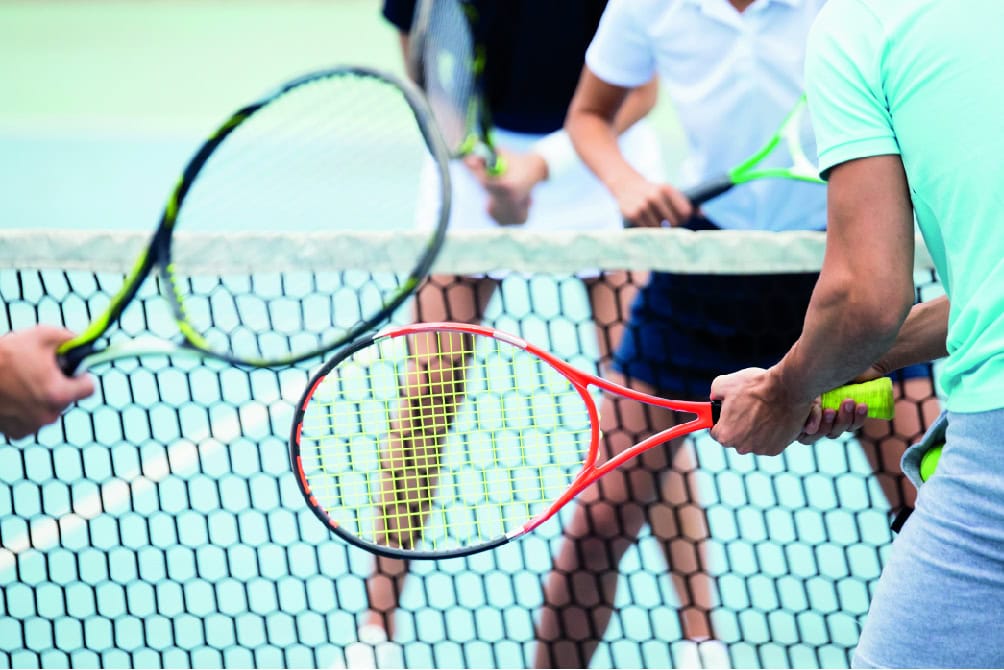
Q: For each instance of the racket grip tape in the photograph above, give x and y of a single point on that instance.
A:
(69, 361)
(496, 165)
(877, 394)
(709, 190)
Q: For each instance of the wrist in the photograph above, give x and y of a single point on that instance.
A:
(556, 154)
(618, 179)
(785, 387)
(539, 168)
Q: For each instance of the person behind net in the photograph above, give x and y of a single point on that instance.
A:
(33, 390)
(534, 54)
(905, 98)
(732, 70)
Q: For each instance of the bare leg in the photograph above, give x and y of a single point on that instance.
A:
(610, 297)
(383, 591)
(678, 520)
(442, 298)
(680, 524)
(581, 589)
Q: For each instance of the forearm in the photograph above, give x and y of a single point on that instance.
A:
(865, 289)
(846, 330)
(556, 149)
(597, 112)
(595, 141)
(637, 105)
(922, 338)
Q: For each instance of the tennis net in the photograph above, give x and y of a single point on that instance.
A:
(158, 524)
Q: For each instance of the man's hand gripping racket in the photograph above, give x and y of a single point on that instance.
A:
(437, 440)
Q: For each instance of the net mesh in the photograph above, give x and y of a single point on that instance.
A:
(158, 523)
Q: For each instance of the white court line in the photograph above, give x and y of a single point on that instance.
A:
(114, 496)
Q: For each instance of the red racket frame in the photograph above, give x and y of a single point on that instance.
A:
(706, 416)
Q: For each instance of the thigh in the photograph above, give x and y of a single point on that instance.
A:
(610, 296)
(454, 298)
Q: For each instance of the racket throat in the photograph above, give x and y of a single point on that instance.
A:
(586, 477)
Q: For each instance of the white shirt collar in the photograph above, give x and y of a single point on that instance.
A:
(793, 3)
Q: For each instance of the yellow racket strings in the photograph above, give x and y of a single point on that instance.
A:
(446, 438)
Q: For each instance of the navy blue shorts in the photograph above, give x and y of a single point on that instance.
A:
(686, 329)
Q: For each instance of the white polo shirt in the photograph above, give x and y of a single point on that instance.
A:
(731, 78)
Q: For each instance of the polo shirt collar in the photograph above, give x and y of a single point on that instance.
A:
(792, 3)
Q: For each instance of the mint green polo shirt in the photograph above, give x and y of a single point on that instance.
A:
(924, 79)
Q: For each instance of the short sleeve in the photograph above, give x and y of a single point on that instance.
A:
(620, 53)
(843, 80)
(400, 13)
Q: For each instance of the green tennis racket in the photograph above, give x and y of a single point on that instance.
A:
(342, 150)
(789, 140)
(447, 60)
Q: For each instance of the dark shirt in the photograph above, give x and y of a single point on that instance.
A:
(534, 52)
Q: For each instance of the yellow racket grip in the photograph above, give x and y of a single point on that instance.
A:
(877, 394)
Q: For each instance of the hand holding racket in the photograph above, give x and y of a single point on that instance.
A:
(760, 418)
(33, 390)
(345, 149)
(461, 436)
(651, 205)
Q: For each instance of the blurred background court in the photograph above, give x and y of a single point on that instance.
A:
(103, 101)
(158, 525)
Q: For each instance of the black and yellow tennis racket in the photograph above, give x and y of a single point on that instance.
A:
(342, 150)
(447, 59)
(783, 156)
(440, 439)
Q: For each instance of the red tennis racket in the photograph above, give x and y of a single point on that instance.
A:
(438, 440)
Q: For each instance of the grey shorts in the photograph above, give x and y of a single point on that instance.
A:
(940, 600)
